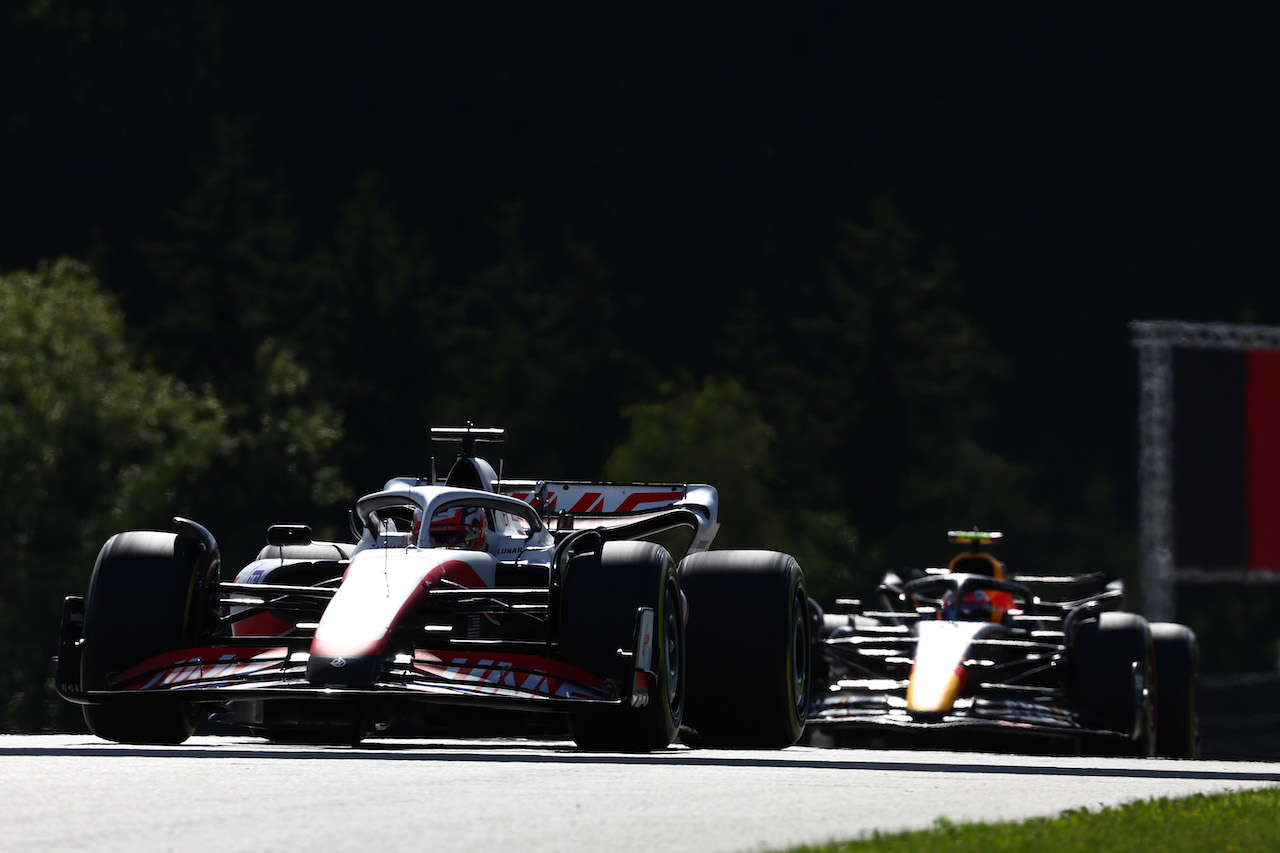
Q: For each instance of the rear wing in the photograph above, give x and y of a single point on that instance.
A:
(662, 512)
(629, 510)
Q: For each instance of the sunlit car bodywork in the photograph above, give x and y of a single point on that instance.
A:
(597, 602)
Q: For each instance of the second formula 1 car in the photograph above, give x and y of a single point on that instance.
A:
(965, 656)
(466, 595)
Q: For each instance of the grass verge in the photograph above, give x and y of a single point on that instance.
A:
(1242, 821)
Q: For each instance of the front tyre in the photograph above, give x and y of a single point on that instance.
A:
(140, 604)
(602, 592)
(749, 637)
(1111, 673)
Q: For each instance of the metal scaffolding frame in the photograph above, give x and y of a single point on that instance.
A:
(1155, 340)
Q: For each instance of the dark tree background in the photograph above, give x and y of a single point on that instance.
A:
(868, 264)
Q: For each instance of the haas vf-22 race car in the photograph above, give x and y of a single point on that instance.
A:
(967, 657)
(598, 602)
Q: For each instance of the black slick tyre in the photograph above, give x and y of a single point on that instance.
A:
(1177, 690)
(140, 604)
(749, 649)
(1111, 659)
(602, 592)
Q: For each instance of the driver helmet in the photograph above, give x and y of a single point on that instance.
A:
(976, 606)
(464, 527)
(989, 605)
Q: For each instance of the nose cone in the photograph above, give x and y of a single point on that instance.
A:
(934, 692)
(938, 674)
(339, 671)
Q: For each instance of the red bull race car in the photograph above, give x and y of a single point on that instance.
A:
(462, 597)
(968, 657)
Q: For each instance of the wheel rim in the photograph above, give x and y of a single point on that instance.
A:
(672, 646)
(800, 657)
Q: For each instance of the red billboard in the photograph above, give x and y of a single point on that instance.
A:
(1226, 468)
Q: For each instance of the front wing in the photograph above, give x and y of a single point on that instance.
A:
(220, 674)
(493, 677)
(879, 711)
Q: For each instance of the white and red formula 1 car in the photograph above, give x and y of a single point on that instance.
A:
(597, 602)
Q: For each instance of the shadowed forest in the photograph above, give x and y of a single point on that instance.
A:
(865, 267)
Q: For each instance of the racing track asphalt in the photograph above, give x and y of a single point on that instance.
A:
(228, 794)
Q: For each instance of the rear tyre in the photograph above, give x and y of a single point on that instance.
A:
(602, 593)
(1177, 689)
(749, 657)
(1105, 681)
(141, 603)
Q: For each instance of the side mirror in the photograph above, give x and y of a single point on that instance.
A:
(289, 534)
